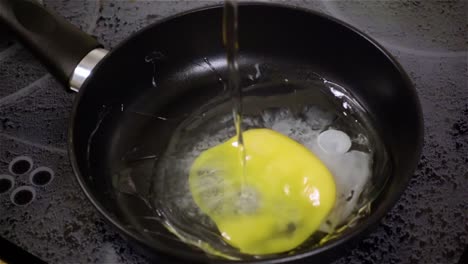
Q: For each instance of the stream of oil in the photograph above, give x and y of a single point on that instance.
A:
(231, 43)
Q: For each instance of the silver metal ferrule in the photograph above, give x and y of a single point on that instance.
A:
(85, 68)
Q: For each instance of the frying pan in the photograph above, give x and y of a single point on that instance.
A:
(158, 76)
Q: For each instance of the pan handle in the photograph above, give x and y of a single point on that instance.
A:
(58, 44)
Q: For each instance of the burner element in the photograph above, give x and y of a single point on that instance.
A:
(41, 176)
(23, 195)
(6, 183)
(20, 165)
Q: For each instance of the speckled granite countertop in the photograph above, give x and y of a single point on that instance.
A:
(428, 225)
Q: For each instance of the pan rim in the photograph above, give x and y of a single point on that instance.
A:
(368, 223)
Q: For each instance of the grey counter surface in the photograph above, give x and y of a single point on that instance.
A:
(428, 225)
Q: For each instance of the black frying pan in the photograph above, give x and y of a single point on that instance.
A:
(118, 111)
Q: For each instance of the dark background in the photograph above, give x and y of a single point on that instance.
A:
(428, 225)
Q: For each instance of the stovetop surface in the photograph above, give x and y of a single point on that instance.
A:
(428, 225)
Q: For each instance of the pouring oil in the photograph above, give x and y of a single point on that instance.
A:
(230, 40)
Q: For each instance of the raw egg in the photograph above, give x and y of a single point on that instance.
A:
(273, 203)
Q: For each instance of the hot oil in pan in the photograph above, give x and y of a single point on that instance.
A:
(319, 114)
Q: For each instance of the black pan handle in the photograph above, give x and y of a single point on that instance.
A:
(59, 45)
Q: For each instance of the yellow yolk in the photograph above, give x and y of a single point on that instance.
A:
(284, 195)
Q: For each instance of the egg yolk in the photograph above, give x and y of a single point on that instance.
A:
(272, 204)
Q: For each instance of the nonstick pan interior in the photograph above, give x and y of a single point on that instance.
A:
(126, 113)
